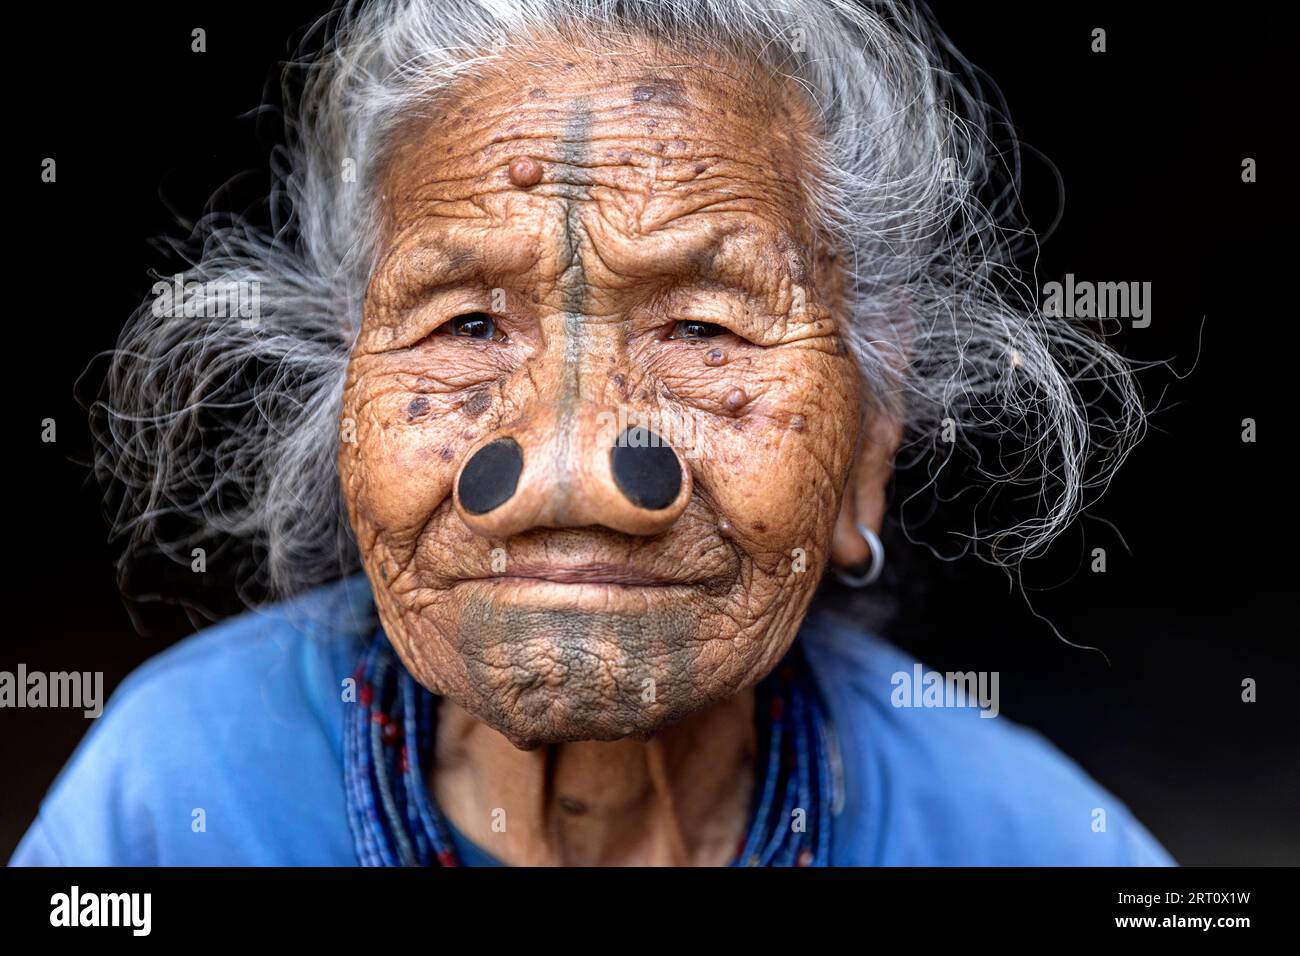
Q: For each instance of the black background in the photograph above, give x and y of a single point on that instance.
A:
(1148, 138)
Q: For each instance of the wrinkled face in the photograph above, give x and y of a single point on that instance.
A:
(603, 415)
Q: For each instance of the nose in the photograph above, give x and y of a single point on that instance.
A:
(545, 475)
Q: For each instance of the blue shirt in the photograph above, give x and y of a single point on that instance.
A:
(227, 750)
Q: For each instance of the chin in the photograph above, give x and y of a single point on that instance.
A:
(604, 667)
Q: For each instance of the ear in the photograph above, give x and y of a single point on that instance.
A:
(863, 501)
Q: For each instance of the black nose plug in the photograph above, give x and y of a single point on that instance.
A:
(489, 478)
(646, 470)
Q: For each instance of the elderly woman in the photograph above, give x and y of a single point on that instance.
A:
(592, 340)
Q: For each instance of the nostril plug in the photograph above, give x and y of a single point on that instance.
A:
(645, 469)
(490, 477)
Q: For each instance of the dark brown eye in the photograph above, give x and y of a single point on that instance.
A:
(696, 330)
(473, 325)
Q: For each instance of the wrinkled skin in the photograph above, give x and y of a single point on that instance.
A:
(665, 195)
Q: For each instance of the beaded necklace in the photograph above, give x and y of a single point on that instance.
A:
(388, 742)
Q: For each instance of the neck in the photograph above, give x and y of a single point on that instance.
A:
(680, 798)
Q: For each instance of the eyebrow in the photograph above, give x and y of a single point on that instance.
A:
(427, 267)
(431, 265)
(718, 263)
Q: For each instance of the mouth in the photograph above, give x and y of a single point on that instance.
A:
(601, 574)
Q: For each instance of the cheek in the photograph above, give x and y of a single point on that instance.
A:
(399, 468)
(777, 469)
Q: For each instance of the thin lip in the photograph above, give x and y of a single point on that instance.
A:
(584, 574)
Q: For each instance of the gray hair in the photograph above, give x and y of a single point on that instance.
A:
(211, 428)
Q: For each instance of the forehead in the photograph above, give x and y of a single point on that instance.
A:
(657, 144)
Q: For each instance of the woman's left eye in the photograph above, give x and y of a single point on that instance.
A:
(473, 325)
(696, 330)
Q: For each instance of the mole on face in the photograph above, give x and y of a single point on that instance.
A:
(419, 405)
(477, 403)
(525, 172)
(646, 470)
(715, 357)
(489, 479)
(660, 90)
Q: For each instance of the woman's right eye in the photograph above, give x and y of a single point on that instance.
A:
(472, 325)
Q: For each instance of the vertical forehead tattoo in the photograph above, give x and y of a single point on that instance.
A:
(576, 189)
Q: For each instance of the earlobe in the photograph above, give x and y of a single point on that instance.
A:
(865, 493)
